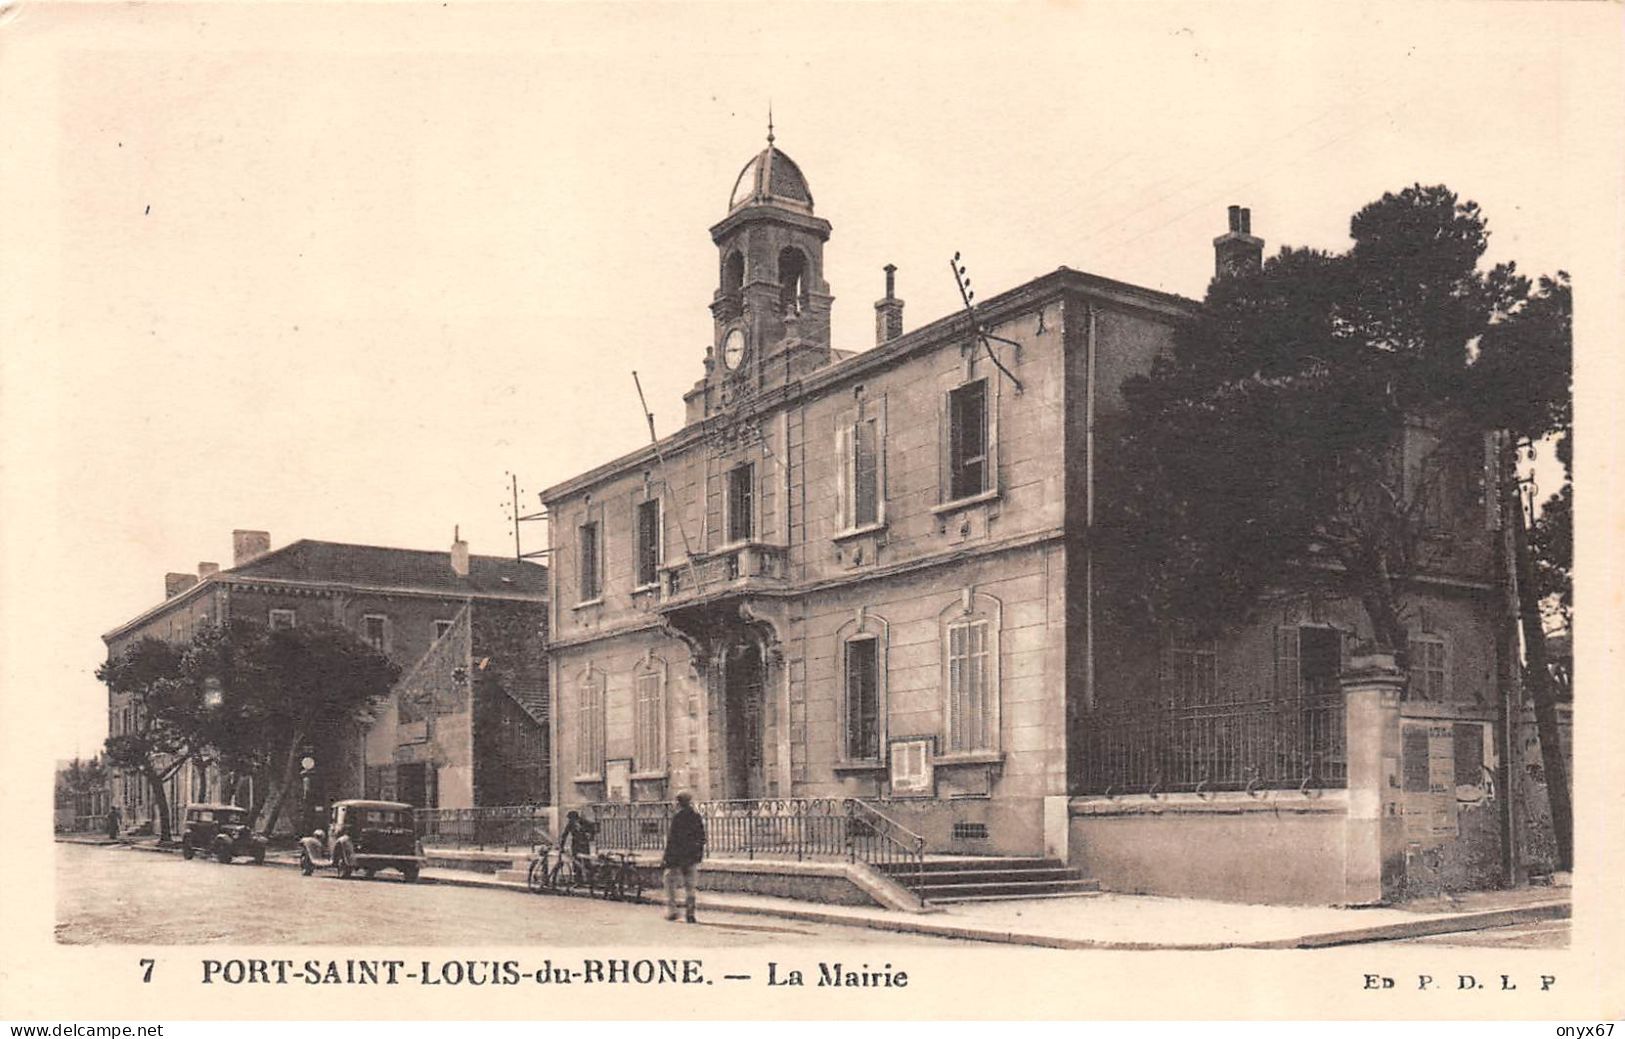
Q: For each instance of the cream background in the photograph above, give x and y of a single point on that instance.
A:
(396, 249)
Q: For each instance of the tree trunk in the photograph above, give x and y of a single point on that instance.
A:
(290, 769)
(1539, 678)
(160, 801)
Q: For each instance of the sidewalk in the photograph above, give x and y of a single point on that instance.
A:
(1111, 921)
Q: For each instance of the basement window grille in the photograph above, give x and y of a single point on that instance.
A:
(970, 831)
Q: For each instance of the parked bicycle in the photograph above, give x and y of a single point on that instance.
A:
(543, 861)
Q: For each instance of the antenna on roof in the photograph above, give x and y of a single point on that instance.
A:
(660, 457)
(519, 553)
(978, 329)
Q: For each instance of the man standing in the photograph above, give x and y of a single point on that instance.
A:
(685, 847)
(112, 822)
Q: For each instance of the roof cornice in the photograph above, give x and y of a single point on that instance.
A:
(1060, 282)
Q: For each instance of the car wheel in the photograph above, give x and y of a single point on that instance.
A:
(537, 879)
(223, 853)
(306, 866)
(368, 873)
(341, 858)
(259, 856)
(186, 850)
(410, 873)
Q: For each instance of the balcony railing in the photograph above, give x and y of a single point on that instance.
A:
(745, 567)
(503, 826)
(1264, 744)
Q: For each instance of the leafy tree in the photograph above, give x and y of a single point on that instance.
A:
(317, 679)
(276, 691)
(1276, 437)
(164, 717)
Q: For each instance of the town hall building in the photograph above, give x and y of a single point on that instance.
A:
(869, 575)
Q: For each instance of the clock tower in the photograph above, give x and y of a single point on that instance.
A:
(770, 312)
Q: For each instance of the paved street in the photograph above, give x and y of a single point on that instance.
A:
(122, 895)
(1541, 934)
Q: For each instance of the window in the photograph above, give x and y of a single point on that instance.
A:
(968, 441)
(1191, 672)
(741, 503)
(860, 493)
(862, 698)
(441, 627)
(590, 726)
(375, 631)
(1308, 661)
(283, 619)
(650, 536)
(1427, 668)
(969, 710)
(649, 722)
(587, 540)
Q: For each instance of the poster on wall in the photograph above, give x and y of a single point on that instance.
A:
(911, 772)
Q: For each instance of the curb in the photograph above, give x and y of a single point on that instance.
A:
(1479, 921)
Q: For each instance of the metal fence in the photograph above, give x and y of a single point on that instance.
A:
(1265, 744)
(503, 826)
(790, 827)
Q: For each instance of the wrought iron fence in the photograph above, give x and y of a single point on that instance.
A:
(790, 827)
(1264, 744)
(502, 826)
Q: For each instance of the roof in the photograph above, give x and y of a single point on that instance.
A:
(371, 567)
(947, 329)
(332, 562)
(216, 807)
(771, 177)
(396, 805)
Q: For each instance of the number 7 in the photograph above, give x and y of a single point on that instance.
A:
(146, 975)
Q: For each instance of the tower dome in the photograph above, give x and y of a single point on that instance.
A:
(771, 178)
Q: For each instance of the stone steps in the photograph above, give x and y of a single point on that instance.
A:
(995, 878)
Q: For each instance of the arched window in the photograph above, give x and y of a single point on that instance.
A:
(589, 727)
(970, 674)
(649, 716)
(733, 274)
(861, 645)
(792, 280)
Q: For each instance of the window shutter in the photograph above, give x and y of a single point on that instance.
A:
(1287, 677)
(843, 475)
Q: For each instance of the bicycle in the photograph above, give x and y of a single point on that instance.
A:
(615, 875)
(539, 877)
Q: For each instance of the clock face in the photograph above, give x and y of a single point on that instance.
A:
(733, 348)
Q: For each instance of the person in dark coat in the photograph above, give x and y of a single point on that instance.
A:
(685, 847)
(112, 823)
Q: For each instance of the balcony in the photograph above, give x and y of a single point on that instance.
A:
(741, 569)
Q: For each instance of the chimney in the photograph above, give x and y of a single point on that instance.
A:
(207, 570)
(248, 545)
(889, 311)
(459, 553)
(175, 584)
(1237, 251)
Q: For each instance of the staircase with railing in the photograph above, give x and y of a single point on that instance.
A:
(797, 828)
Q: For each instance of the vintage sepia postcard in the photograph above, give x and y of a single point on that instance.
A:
(856, 511)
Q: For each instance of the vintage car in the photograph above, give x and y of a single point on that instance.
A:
(221, 831)
(366, 836)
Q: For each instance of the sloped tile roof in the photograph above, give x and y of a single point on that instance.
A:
(332, 562)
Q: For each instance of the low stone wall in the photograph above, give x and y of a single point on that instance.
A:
(1276, 847)
(1013, 825)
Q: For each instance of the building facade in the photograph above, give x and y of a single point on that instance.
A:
(409, 605)
(870, 575)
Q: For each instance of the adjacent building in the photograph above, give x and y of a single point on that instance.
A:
(468, 632)
(870, 575)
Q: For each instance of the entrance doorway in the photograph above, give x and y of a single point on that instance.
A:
(742, 692)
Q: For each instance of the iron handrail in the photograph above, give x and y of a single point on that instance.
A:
(895, 842)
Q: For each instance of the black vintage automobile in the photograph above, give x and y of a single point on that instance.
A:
(366, 836)
(221, 831)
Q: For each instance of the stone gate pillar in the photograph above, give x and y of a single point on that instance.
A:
(1374, 856)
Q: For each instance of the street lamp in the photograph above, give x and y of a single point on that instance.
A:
(307, 765)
